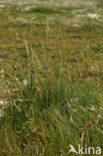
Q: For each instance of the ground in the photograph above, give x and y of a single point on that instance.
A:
(51, 76)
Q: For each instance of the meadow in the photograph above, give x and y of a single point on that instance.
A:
(51, 76)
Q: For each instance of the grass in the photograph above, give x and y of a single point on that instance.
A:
(56, 114)
(51, 77)
(43, 10)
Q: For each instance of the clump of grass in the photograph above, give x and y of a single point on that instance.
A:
(44, 10)
(47, 120)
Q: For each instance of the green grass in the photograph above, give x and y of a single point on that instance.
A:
(47, 120)
(43, 10)
(51, 76)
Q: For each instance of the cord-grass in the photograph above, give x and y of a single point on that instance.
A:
(51, 76)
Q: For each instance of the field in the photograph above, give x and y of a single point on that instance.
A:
(51, 76)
